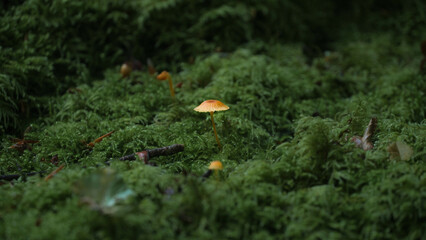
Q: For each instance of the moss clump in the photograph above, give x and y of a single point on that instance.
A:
(290, 169)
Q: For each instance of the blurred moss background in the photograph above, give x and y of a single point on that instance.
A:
(47, 47)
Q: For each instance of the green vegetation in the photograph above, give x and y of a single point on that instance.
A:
(299, 84)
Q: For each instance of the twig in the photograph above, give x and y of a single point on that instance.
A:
(150, 153)
(23, 144)
(54, 173)
(99, 139)
(16, 176)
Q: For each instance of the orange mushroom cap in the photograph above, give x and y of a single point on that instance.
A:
(163, 76)
(211, 106)
(216, 165)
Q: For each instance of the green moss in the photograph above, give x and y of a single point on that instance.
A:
(290, 169)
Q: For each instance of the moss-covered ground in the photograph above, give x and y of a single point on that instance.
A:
(290, 170)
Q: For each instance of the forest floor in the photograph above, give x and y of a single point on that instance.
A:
(291, 164)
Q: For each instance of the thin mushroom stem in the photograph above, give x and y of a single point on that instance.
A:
(216, 174)
(214, 129)
(172, 91)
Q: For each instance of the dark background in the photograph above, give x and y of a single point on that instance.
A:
(47, 47)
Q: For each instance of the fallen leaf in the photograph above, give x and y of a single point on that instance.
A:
(103, 191)
(399, 150)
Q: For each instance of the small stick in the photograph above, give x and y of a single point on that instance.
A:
(164, 151)
(54, 173)
(150, 153)
(23, 144)
(143, 155)
(16, 176)
(99, 139)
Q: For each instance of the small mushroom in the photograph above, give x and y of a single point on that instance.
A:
(212, 106)
(166, 76)
(125, 70)
(215, 167)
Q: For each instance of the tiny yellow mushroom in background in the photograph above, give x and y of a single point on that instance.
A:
(215, 167)
(166, 76)
(125, 70)
(211, 106)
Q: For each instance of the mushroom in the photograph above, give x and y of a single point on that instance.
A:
(125, 70)
(166, 76)
(212, 106)
(215, 166)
